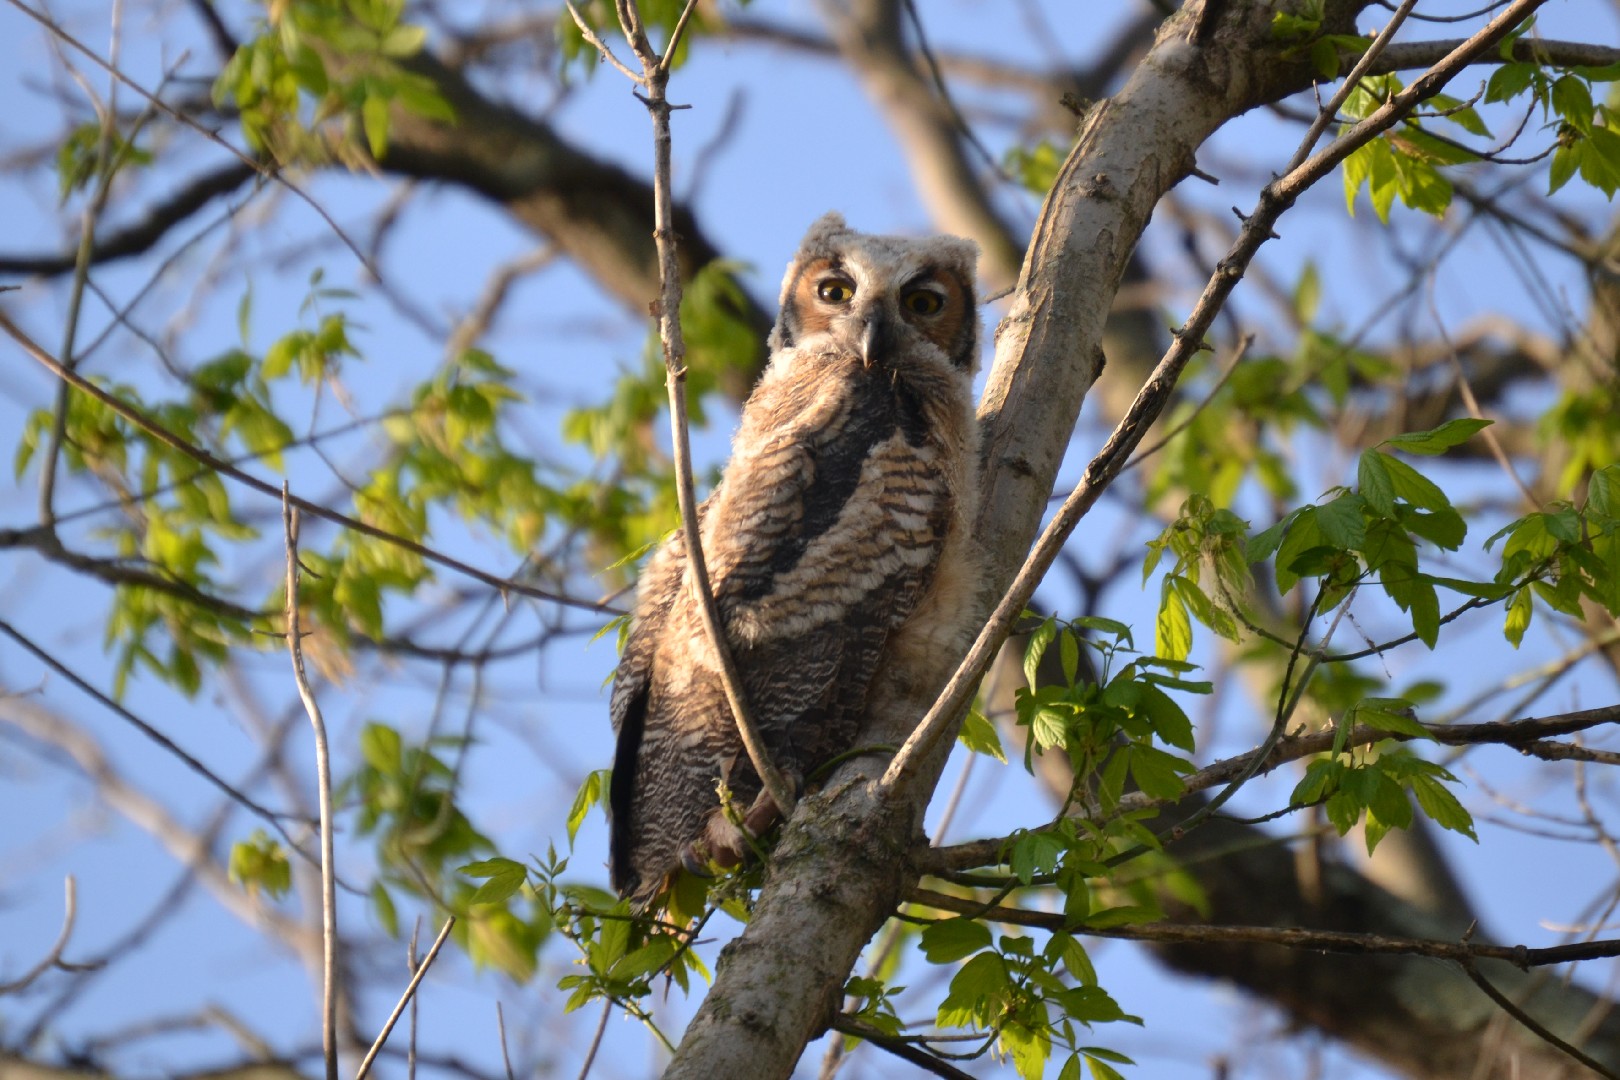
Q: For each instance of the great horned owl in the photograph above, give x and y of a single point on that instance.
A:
(837, 544)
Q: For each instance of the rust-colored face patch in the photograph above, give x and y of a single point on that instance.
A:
(812, 314)
(936, 303)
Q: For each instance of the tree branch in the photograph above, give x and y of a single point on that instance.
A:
(224, 468)
(153, 226)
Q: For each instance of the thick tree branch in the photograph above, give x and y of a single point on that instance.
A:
(142, 235)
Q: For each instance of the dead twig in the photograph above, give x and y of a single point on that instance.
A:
(407, 998)
(53, 959)
(323, 783)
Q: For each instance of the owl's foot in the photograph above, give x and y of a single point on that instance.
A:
(726, 844)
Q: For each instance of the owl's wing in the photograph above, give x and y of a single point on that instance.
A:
(632, 686)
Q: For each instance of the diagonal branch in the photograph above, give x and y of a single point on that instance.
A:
(655, 80)
(1276, 198)
(224, 468)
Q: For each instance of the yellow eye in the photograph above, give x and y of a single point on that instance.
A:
(923, 302)
(835, 291)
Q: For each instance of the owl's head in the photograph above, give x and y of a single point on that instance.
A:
(881, 297)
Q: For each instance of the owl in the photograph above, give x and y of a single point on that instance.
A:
(838, 549)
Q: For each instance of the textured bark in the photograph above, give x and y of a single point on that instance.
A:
(838, 871)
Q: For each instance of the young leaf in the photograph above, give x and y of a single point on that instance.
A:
(1438, 440)
(979, 735)
(953, 939)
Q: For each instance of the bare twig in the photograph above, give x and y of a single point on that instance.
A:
(183, 201)
(596, 1040)
(667, 308)
(408, 997)
(1231, 366)
(900, 1048)
(1275, 199)
(323, 784)
(52, 959)
(272, 818)
(500, 1028)
(410, 957)
(1334, 941)
(595, 41)
(1326, 114)
(1507, 1005)
(212, 136)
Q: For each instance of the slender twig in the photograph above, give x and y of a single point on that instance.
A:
(595, 41)
(224, 468)
(1231, 366)
(105, 169)
(900, 1048)
(408, 997)
(70, 910)
(323, 785)
(1276, 198)
(667, 308)
(596, 1040)
(1326, 114)
(500, 1029)
(212, 136)
(271, 817)
(1506, 1004)
(1288, 937)
(410, 1043)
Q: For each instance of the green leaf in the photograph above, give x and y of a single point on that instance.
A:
(403, 41)
(382, 906)
(259, 862)
(1342, 523)
(1509, 81)
(1603, 492)
(1390, 714)
(1572, 100)
(1442, 806)
(1172, 630)
(1375, 483)
(1519, 611)
(1156, 772)
(1565, 160)
(1412, 485)
(1049, 727)
(1069, 652)
(1439, 440)
(953, 939)
(980, 981)
(374, 117)
(1101, 1070)
(589, 794)
(979, 735)
(1039, 639)
(380, 746)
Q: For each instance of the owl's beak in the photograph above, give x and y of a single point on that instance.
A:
(877, 337)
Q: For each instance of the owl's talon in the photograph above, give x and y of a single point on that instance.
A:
(693, 863)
